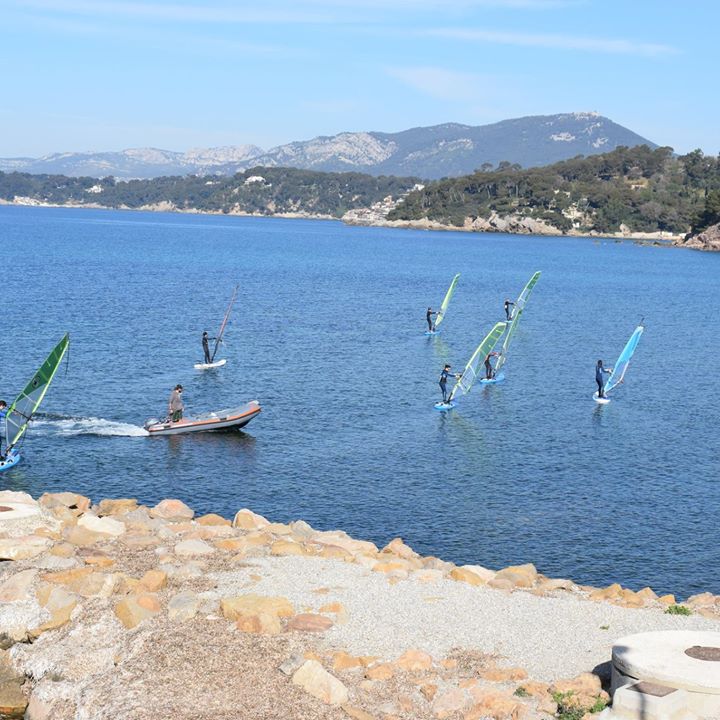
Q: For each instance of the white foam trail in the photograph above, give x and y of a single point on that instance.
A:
(90, 426)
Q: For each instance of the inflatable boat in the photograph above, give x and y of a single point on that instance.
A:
(230, 419)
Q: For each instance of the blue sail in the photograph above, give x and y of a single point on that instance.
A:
(622, 363)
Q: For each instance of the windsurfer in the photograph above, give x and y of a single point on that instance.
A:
(489, 369)
(175, 405)
(599, 379)
(508, 311)
(428, 316)
(443, 382)
(206, 349)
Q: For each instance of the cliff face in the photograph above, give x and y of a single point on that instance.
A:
(708, 240)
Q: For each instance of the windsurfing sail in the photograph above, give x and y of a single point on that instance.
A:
(27, 402)
(519, 307)
(621, 366)
(470, 373)
(218, 339)
(446, 301)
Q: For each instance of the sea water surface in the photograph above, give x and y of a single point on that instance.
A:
(328, 335)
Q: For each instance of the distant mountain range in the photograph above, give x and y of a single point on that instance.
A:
(447, 150)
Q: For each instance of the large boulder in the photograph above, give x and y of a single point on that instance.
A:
(318, 682)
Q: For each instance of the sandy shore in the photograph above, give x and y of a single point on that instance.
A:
(114, 610)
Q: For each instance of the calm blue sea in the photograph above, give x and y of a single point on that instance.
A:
(328, 336)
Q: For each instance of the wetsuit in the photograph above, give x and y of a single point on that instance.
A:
(428, 316)
(206, 350)
(489, 371)
(600, 380)
(508, 312)
(443, 383)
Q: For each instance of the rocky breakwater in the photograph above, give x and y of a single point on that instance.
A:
(115, 609)
(708, 239)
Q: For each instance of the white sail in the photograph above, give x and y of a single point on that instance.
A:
(470, 373)
(446, 300)
(519, 307)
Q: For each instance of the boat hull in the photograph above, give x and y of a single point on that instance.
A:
(222, 420)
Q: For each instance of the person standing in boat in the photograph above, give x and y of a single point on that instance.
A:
(206, 348)
(599, 379)
(175, 405)
(428, 316)
(508, 311)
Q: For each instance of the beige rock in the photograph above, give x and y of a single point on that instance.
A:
(462, 574)
(213, 520)
(102, 525)
(153, 580)
(23, 548)
(12, 700)
(279, 528)
(133, 609)
(59, 603)
(98, 560)
(117, 507)
(183, 606)
(610, 592)
(309, 622)
(357, 713)
(701, 600)
(414, 661)
(381, 671)
(335, 552)
(67, 577)
(429, 691)
(286, 547)
(65, 499)
(82, 537)
(248, 520)
(647, 594)
(667, 599)
(140, 540)
(262, 623)
(63, 550)
(17, 587)
(187, 548)
(251, 604)
(231, 544)
(450, 702)
(536, 689)
(493, 704)
(501, 583)
(519, 575)
(389, 566)
(171, 509)
(316, 681)
(504, 674)
(345, 661)
(400, 549)
(552, 584)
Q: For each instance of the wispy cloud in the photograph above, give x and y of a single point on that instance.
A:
(552, 41)
(440, 83)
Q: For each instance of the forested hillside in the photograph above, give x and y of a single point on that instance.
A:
(265, 191)
(645, 190)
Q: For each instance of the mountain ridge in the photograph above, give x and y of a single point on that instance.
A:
(431, 152)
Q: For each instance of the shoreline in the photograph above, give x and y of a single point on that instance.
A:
(100, 598)
(657, 239)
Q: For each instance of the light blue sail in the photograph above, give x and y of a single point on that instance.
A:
(622, 363)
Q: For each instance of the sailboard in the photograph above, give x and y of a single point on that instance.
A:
(519, 307)
(444, 306)
(621, 365)
(467, 379)
(25, 405)
(218, 339)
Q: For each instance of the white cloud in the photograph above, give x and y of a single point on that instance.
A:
(552, 41)
(440, 83)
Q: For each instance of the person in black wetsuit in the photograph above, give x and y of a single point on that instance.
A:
(428, 316)
(508, 311)
(206, 349)
(599, 379)
(443, 382)
(489, 369)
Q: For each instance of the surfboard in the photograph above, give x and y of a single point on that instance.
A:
(599, 400)
(444, 407)
(432, 332)
(209, 366)
(10, 460)
(497, 379)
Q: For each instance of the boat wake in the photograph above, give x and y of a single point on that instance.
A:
(69, 426)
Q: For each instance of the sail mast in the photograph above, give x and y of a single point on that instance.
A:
(27, 402)
(218, 339)
(623, 362)
(519, 307)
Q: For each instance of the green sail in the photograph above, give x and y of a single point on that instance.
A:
(446, 301)
(27, 402)
(467, 379)
(519, 307)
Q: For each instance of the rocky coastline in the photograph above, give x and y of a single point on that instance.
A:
(113, 609)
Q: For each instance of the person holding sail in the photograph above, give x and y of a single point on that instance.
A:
(443, 381)
(508, 311)
(428, 316)
(175, 404)
(489, 369)
(599, 379)
(206, 348)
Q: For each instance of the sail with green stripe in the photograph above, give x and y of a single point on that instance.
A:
(519, 307)
(470, 373)
(446, 301)
(27, 402)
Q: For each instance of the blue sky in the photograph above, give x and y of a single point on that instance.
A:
(96, 75)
